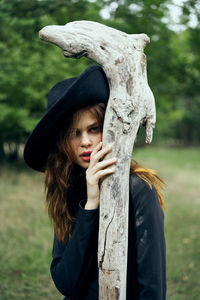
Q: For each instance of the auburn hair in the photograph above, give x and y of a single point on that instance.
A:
(61, 172)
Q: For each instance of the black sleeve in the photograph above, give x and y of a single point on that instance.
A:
(150, 241)
(71, 261)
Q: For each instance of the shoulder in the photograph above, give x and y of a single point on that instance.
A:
(142, 194)
(138, 185)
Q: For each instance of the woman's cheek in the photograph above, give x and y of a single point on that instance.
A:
(73, 147)
(100, 137)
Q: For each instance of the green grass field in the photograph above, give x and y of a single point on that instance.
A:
(26, 231)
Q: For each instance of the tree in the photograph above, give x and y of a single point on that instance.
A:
(25, 75)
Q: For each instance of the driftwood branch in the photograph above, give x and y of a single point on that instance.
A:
(131, 104)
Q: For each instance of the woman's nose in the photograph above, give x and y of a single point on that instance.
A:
(85, 140)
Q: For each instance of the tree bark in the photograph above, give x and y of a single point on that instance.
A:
(131, 103)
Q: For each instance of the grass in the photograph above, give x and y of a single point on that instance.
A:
(181, 170)
(26, 238)
(27, 234)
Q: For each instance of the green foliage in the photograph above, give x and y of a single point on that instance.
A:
(30, 67)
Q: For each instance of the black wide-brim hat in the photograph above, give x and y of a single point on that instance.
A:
(65, 97)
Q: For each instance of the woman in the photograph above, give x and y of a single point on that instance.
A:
(66, 144)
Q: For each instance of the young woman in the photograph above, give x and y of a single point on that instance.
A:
(66, 145)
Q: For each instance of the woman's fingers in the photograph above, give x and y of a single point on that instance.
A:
(104, 172)
(96, 170)
(105, 163)
(96, 149)
(97, 154)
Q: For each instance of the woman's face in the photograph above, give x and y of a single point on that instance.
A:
(84, 135)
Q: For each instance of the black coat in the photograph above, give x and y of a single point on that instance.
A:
(74, 267)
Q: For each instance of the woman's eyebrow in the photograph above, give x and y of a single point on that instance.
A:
(89, 126)
(93, 124)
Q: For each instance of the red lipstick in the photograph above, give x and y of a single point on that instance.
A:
(86, 153)
(86, 156)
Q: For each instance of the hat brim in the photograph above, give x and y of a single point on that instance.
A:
(89, 88)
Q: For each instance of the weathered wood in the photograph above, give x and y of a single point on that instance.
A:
(131, 103)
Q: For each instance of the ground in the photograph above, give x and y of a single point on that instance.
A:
(27, 234)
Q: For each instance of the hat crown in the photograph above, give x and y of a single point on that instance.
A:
(58, 91)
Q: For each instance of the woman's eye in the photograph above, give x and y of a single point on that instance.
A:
(77, 133)
(94, 129)
(74, 133)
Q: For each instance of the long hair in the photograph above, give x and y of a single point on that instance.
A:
(62, 174)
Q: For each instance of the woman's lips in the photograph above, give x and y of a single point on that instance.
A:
(85, 158)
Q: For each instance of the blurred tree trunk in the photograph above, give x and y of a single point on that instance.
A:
(13, 151)
(2, 152)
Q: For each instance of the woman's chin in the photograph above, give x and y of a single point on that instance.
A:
(84, 164)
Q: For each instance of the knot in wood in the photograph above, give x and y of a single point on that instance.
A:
(126, 128)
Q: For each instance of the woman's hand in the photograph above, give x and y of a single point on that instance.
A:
(95, 171)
